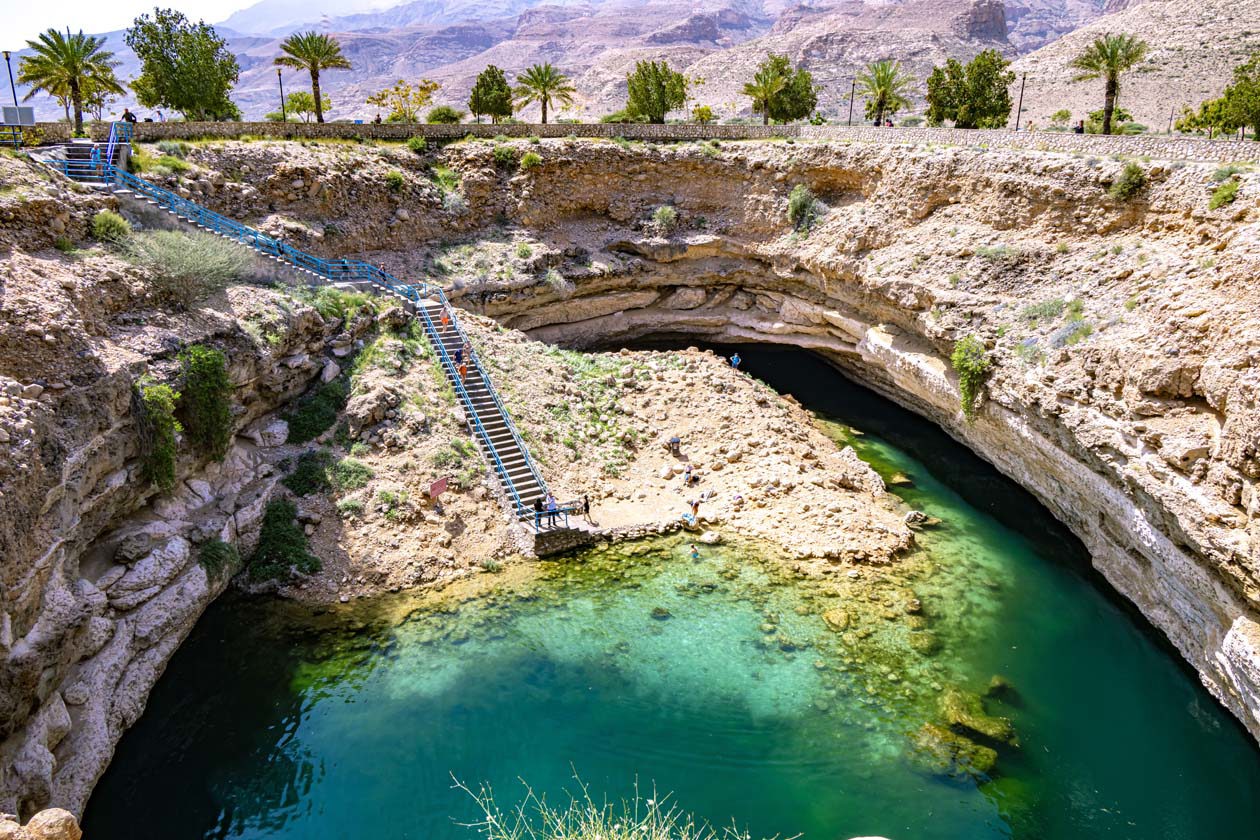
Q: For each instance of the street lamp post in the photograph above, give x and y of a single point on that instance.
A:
(12, 87)
(852, 96)
(1019, 109)
(284, 117)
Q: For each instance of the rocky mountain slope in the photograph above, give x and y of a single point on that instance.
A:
(598, 42)
(1194, 47)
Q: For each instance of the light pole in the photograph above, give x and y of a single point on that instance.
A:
(284, 116)
(12, 87)
(852, 96)
(1019, 109)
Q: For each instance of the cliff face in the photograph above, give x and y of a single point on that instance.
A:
(100, 579)
(1124, 344)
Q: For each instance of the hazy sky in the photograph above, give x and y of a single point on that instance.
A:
(24, 19)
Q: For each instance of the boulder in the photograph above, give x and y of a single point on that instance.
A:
(836, 619)
(330, 372)
(942, 752)
(964, 712)
(54, 824)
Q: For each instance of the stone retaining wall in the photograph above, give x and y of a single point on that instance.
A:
(1158, 147)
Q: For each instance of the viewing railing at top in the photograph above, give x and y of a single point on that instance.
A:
(332, 271)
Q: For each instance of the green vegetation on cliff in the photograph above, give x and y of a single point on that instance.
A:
(206, 400)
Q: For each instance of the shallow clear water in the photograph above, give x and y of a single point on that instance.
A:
(272, 723)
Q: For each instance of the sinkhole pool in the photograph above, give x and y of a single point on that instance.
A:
(716, 681)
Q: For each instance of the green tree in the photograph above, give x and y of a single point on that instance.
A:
(405, 101)
(544, 84)
(798, 98)
(1212, 116)
(780, 92)
(702, 114)
(884, 86)
(491, 95)
(971, 95)
(1242, 98)
(185, 67)
(299, 104)
(444, 115)
(74, 68)
(313, 52)
(764, 87)
(653, 90)
(1107, 58)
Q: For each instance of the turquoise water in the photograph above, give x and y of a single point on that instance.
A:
(714, 680)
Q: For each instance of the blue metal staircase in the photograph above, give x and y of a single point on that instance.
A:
(488, 419)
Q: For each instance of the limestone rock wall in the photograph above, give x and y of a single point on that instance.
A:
(1123, 334)
(100, 579)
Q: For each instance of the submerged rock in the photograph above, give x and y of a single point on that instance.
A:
(964, 710)
(661, 614)
(925, 642)
(836, 619)
(943, 752)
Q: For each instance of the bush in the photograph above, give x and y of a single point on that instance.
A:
(530, 159)
(1131, 182)
(282, 546)
(351, 474)
(218, 557)
(173, 148)
(350, 507)
(1224, 194)
(206, 402)
(1044, 309)
(444, 115)
(310, 475)
(524, 251)
(505, 157)
(188, 267)
(446, 178)
(108, 226)
(665, 218)
(64, 245)
(317, 413)
(1226, 172)
(803, 208)
(332, 303)
(395, 181)
(1074, 332)
(158, 428)
(972, 365)
(419, 145)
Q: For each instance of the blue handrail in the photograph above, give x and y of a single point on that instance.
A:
(332, 271)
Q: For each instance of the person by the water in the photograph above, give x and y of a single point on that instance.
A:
(735, 360)
(695, 552)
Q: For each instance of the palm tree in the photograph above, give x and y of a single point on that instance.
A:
(69, 67)
(544, 84)
(764, 87)
(884, 85)
(1106, 58)
(313, 51)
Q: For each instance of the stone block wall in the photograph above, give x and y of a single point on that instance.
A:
(1156, 147)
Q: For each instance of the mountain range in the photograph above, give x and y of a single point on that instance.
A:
(717, 43)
